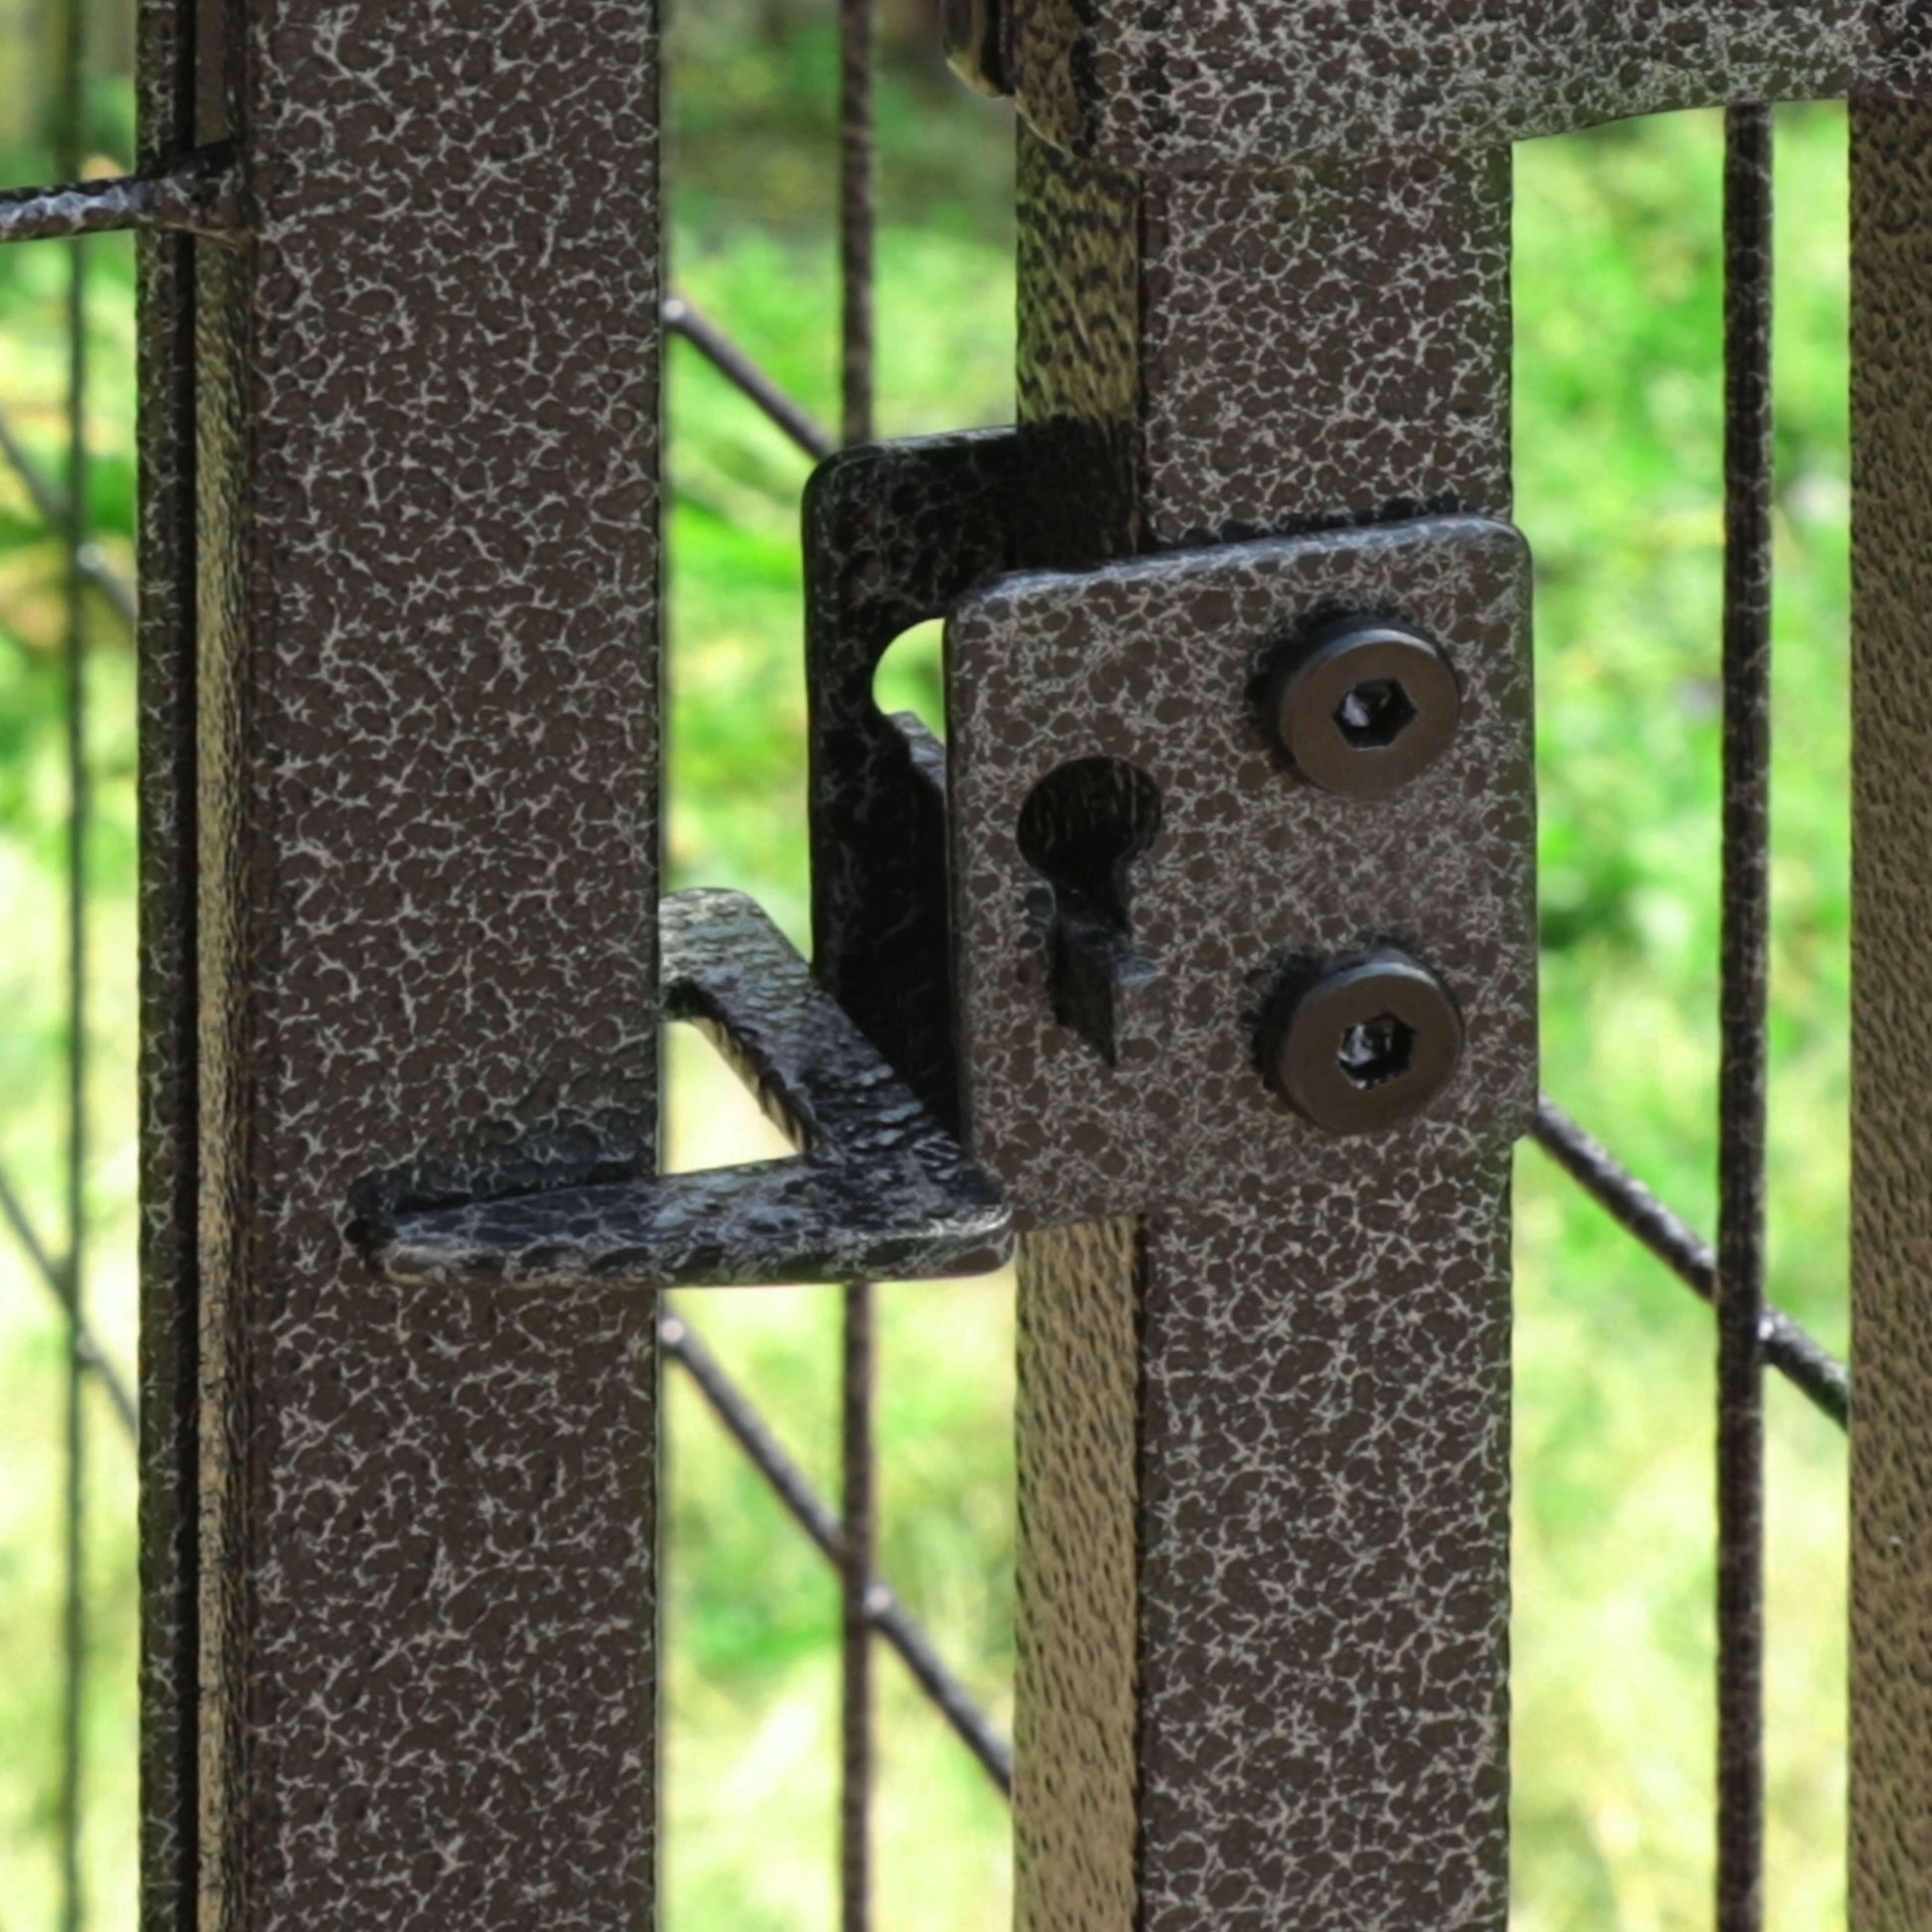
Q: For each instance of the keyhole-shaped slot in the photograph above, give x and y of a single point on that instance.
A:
(1081, 829)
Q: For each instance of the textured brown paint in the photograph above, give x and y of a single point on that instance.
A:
(1320, 1475)
(168, 1103)
(1192, 85)
(426, 473)
(1891, 1018)
(1250, 868)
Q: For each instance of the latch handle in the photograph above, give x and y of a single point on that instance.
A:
(878, 1190)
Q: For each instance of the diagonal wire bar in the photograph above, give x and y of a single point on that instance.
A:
(51, 505)
(887, 1613)
(13, 1212)
(1788, 1348)
(743, 375)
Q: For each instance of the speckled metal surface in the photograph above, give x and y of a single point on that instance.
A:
(1891, 1020)
(426, 748)
(1253, 869)
(1321, 345)
(1199, 84)
(169, 1355)
(881, 1189)
(1317, 1473)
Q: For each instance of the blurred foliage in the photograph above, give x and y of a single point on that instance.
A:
(1618, 469)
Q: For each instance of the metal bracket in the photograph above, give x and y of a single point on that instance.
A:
(1080, 955)
(1111, 739)
(895, 535)
(878, 1190)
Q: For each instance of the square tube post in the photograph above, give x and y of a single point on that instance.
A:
(1264, 1568)
(400, 791)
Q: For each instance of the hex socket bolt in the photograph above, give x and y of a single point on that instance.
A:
(1363, 708)
(1362, 1043)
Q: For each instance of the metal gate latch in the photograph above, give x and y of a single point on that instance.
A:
(878, 1190)
(1229, 856)
(1226, 859)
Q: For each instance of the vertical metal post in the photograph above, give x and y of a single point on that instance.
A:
(168, 106)
(402, 796)
(1264, 1443)
(1891, 1016)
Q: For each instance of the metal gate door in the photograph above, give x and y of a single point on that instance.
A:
(1201, 954)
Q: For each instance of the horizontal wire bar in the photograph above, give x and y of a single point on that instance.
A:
(201, 198)
(1788, 1348)
(51, 505)
(886, 1615)
(93, 1357)
(737, 368)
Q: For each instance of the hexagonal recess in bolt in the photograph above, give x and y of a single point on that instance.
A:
(1157, 664)
(1363, 708)
(1358, 1045)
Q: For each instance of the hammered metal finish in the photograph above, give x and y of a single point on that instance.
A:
(1318, 347)
(1321, 345)
(1319, 1459)
(880, 1191)
(167, 1100)
(1188, 85)
(427, 753)
(1253, 872)
(1325, 1549)
(895, 533)
(204, 196)
(1892, 1020)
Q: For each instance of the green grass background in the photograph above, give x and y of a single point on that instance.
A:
(1618, 471)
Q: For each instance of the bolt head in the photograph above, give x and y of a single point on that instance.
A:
(1362, 1044)
(1364, 708)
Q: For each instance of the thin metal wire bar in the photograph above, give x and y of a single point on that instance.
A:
(860, 1557)
(858, 32)
(201, 198)
(51, 505)
(14, 1212)
(1745, 1014)
(1789, 1348)
(70, 138)
(857, 221)
(886, 1615)
(737, 368)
